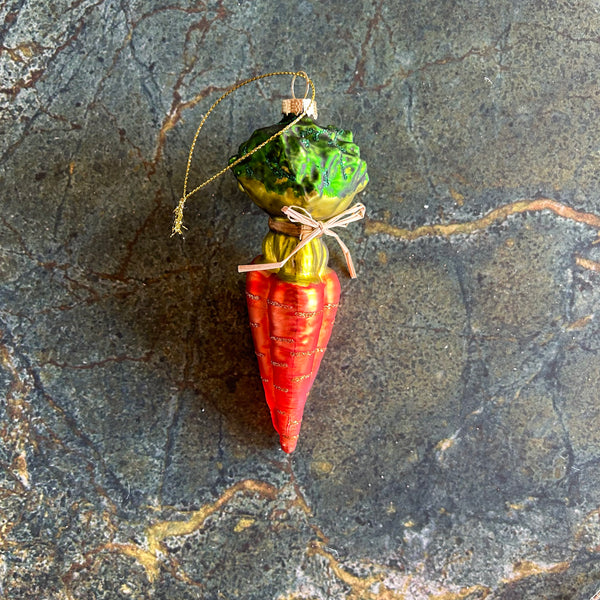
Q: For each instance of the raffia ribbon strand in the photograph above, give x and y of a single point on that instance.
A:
(317, 229)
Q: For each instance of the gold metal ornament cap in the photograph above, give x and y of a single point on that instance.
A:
(296, 106)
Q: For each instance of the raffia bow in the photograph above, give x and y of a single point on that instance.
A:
(317, 229)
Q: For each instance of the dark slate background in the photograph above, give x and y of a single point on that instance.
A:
(450, 447)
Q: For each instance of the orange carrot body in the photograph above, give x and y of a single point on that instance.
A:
(291, 325)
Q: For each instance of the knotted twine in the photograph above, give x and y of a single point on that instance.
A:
(317, 229)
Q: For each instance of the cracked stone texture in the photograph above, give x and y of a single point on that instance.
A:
(450, 446)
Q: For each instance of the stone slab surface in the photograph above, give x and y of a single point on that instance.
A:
(450, 448)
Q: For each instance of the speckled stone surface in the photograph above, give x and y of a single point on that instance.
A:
(450, 448)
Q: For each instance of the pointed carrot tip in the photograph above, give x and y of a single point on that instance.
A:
(288, 443)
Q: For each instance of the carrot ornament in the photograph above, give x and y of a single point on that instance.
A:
(305, 177)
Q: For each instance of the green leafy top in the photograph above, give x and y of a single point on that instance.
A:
(316, 167)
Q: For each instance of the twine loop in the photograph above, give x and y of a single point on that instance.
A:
(301, 216)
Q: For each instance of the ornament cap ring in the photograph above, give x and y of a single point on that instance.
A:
(305, 75)
(296, 106)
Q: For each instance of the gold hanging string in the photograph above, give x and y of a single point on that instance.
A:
(178, 222)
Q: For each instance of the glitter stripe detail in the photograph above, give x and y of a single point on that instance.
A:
(307, 352)
(307, 315)
(301, 378)
(278, 304)
(282, 339)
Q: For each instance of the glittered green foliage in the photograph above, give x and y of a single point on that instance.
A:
(316, 167)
